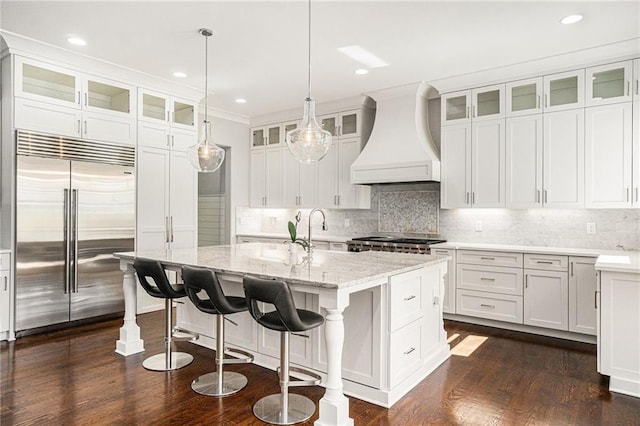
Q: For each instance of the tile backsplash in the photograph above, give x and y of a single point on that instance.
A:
(413, 210)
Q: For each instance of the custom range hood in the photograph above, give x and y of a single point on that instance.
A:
(400, 148)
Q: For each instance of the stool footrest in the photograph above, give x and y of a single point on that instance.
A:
(178, 334)
(315, 378)
(247, 358)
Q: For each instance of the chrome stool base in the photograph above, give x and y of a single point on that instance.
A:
(210, 385)
(270, 409)
(159, 362)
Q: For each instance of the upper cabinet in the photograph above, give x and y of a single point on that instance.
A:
(608, 84)
(271, 136)
(564, 91)
(344, 124)
(485, 103)
(524, 97)
(162, 108)
(57, 100)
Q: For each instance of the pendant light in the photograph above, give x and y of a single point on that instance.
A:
(309, 142)
(206, 156)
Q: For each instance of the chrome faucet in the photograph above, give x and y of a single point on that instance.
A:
(324, 227)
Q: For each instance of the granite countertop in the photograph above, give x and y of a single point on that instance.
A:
(331, 269)
(531, 249)
(318, 236)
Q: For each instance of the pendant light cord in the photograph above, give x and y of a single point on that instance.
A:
(206, 76)
(309, 61)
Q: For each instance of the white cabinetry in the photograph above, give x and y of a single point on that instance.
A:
(345, 124)
(563, 149)
(563, 91)
(608, 156)
(266, 177)
(64, 102)
(619, 331)
(156, 107)
(5, 295)
(582, 291)
(636, 135)
(449, 299)
(524, 162)
(524, 97)
(611, 83)
(473, 155)
(546, 291)
(299, 182)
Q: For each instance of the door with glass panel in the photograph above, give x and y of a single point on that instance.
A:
(487, 103)
(564, 91)
(524, 97)
(47, 83)
(456, 107)
(608, 84)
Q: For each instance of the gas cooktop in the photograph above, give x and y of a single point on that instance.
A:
(395, 244)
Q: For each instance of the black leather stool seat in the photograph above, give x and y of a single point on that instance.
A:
(154, 281)
(286, 317)
(219, 382)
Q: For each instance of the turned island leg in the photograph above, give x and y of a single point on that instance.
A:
(334, 406)
(130, 342)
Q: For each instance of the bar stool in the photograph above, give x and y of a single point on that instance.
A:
(218, 383)
(283, 408)
(153, 279)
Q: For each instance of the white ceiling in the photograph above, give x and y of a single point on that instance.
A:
(259, 50)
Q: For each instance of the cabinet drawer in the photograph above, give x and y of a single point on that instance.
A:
(490, 278)
(406, 299)
(548, 262)
(501, 307)
(495, 258)
(405, 352)
(5, 259)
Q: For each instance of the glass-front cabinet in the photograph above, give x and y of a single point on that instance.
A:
(272, 136)
(607, 84)
(107, 96)
(487, 102)
(159, 107)
(345, 124)
(564, 91)
(456, 107)
(48, 83)
(524, 97)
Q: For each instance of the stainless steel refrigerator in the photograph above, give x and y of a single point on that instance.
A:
(73, 212)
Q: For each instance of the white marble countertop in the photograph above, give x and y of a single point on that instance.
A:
(621, 262)
(531, 249)
(331, 269)
(317, 236)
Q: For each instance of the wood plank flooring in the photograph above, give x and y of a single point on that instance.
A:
(74, 377)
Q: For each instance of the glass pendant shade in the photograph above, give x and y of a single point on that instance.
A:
(309, 142)
(206, 156)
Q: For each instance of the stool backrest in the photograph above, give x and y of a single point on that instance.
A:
(197, 279)
(276, 293)
(160, 286)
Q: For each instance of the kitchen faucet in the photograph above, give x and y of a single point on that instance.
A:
(324, 227)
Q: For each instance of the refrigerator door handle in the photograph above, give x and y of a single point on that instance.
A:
(67, 242)
(74, 235)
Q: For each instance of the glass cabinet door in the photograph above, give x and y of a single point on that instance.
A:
(487, 102)
(183, 114)
(524, 97)
(564, 91)
(257, 138)
(44, 82)
(609, 83)
(349, 125)
(273, 135)
(456, 107)
(153, 107)
(330, 124)
(107, 96)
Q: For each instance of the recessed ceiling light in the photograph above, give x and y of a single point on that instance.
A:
(241, 101)
(361, 71)
(571, 19)
(179, 74)
(76, 41)
(363, 56)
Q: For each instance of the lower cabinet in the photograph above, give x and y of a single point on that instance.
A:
(5, 295)
(582, 295)
(546, 299)
(500, 307)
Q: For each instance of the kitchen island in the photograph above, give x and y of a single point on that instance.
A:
(395, 333)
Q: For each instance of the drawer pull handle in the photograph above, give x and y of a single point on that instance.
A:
(487, 279)
(545, 262)
(488, 306)
(409, 298)
(409, 351)
(487, 258)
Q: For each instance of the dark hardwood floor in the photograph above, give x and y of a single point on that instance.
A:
(75, 377)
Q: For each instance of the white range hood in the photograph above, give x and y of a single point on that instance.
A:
(400, 148)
